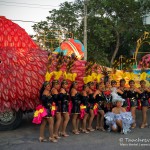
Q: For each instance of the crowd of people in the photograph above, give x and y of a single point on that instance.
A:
(113, 106)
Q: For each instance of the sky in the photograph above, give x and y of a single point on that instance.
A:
(28, 10)
(31, 10)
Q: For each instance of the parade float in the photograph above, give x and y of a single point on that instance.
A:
(131, 68)
(71, 46)
(24, 67)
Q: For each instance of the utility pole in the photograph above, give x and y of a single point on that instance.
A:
(85, 29)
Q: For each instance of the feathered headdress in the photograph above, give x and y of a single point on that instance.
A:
(88, 72)
(105, 72)
(88, 79)
(68, 75)
(116, 98)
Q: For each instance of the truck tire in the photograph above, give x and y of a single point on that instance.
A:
(10, 119)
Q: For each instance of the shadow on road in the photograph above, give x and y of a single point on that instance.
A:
(26, 138)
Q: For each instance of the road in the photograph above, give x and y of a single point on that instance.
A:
(26, 138)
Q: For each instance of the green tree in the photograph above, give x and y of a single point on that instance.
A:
(125, 22)
(113, 26)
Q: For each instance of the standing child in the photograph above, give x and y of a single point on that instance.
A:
(75, 97)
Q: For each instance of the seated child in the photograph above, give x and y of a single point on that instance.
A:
(118, 119)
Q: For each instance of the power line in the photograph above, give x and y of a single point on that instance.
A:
(28, 4)
(34, 21)
(25, 21)
(24, 6)
(28, 21)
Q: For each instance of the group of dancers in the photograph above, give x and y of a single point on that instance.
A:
(113, 106)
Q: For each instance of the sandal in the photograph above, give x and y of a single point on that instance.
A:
(52, 140)
(97, 128)
(41, 139)
(57, 137)
(85, 131)
(81, 129)
(102, 129)
(75, 132)
(146, 124)
(143, 125)
(90, 129)
(64, 134)
(133, 125)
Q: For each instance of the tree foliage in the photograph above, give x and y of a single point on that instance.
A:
(113, 26)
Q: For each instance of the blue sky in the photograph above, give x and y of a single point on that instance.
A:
(28, 11)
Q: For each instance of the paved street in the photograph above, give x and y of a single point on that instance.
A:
(26, 138)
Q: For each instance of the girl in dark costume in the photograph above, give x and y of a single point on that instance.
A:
(64, 97)
(91, 102)
(55, 95)
(75, 97)
(108, 97)
(144, 97)
(124, 94)
(85, 103)
(47, 102)
(100, 101)
(132, 94)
